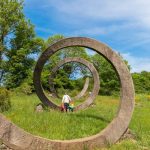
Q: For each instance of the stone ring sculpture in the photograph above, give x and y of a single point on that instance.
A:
(85, 87)
(91, 97)
(61, 63)
(114, 130)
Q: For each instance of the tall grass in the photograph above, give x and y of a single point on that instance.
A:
(57, 125)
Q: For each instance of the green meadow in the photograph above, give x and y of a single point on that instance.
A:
(53, 124)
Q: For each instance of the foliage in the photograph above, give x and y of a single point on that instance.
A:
(19, 47)
(25, 88)
(5, 103)
(141, 82)
(53, 39)
(19, 44)
(20, 62)
(10, 16)
(109, 81)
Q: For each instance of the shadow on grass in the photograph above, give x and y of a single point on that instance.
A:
(93, 116)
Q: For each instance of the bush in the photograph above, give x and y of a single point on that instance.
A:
(4, 100)
(61, 91)
(25, 88)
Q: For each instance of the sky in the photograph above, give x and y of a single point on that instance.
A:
(122, 25)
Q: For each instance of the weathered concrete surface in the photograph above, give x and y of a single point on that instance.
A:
(94, 72)
(110, 134)
(5, 145)
(85, 87)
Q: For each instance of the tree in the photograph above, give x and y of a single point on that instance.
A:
(20, 44)
(10, 16)
(109, 81)
(141, 82)
(20, 61)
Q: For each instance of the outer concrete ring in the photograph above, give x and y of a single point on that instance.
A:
(120, 123)
(14, 135)
(90, 67)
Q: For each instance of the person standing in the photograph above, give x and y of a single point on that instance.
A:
(66, 100)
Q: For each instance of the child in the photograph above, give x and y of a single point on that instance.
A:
(62, 107)
(71, 106)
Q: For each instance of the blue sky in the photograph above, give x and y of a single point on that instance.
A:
(123, 25)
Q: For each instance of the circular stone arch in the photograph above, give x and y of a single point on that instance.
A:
(91, 97)
(85, 87)
(86, 84)
(120, 123)
(117, 127)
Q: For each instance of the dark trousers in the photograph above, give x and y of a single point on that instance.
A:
(66, 105)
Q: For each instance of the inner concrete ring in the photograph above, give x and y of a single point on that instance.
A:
(82, 61)
(120, 123)
(85, 87)
(91, 97)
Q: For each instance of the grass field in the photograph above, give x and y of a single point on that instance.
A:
(57, 125)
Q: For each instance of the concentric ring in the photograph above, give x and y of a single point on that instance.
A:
(94, 72)
(109, 135)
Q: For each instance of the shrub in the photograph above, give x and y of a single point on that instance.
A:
(25, 88)
(4, 100)
(61, 91)
(74, 93)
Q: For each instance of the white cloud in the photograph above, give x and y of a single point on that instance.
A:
(103, 30)
(125, 19)
(90, 31)
(124, 25)
(136, 11)
(138, 64)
